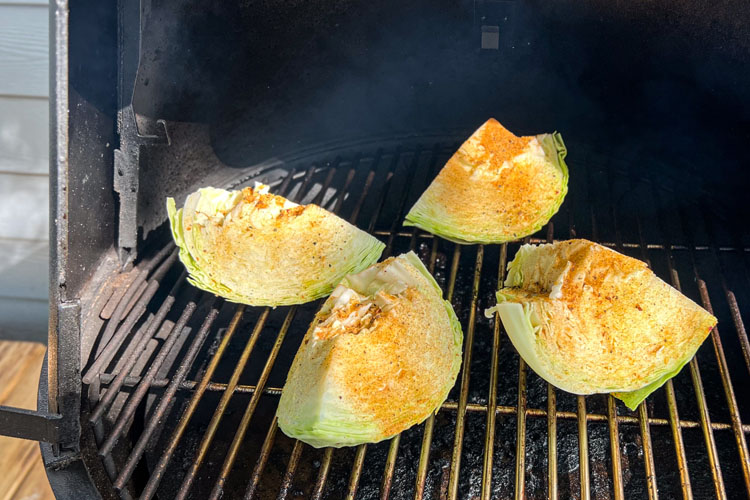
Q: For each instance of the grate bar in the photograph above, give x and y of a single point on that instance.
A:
(581, 416)
(140, 341)
(326, 184)
(284, 186)
(286, 483)
(161, 467)
(705, 418)
(552, 416)
(648, 454)
(114, 342)
(728, 388)
(325, 466)
(135, 298)
(674, 422)
(260, 465)
(168, 398)
(366, 189)
(390, 466)
(213, 425)
(611, 244)
(300, 194)
(424, 456)
(359, 460)
(520, 491)
(707, 431)
(117, 306)
(121, 285)
(250, 410)
(720, 356)
(583, 449)
(719, 352)
(429, 426)
(729, 295)
(397, 221)
(472, 407)
(740, 327)
(455, 471)
(384, 191)
(345, 189)
(124, 419)
(614, 443)
(489, 438)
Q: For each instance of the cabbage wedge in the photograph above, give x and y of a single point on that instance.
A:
(497, 187)
(260, 249)
(590, 320)
(380, 356)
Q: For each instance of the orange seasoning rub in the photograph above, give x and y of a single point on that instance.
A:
(257, 248)
(497, 187)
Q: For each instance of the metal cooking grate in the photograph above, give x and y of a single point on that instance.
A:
(182, 387)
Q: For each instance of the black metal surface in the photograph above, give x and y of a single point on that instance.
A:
(29, 424)
(135, 133)
(68, 475)
(83, 120)
(670, 81)
(260, 80)
(81, 123)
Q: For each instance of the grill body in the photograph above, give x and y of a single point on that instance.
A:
(194, 416)
(156, 389)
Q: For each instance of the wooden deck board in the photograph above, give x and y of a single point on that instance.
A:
(21, 462)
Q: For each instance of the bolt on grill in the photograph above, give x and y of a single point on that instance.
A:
(182, 386)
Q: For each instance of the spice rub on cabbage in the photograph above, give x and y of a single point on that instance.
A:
(497, 187)
(380, 356)
(257, 248)
(589, 319)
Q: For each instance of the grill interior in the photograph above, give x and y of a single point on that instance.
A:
(182, 387)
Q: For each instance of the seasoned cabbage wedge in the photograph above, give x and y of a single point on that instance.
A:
(590, 320)
(497, 187)
(380, 356)
(260, 249)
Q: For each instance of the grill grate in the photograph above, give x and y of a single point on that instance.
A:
(182, 386)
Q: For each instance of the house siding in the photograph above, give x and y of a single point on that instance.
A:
(24, 169)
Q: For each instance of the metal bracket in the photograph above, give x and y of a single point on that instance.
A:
(126, 178)
(30, 424)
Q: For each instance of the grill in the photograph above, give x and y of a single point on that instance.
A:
(181, 388)
(154, 389)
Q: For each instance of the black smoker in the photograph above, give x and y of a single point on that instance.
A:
(155, 389)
